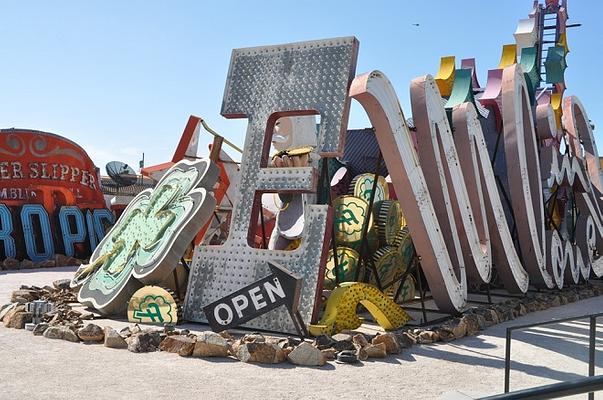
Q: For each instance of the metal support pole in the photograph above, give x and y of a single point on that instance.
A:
(507, 360)
(176, 283)
(326, 183)
(263, 225)
(368, 259)
(420, 283)
(591, 351)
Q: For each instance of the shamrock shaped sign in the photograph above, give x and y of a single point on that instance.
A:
(147, 241)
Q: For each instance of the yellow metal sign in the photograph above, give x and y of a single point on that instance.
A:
(387, 213)
(153, 305)
(362, 186)
(340, 313)
(347, 259)
(388, 264)
(350, 214)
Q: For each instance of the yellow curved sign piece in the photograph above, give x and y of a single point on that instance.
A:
(509, 56)
(557, 110)
(340, 313)
(445, 77)
(563, 42)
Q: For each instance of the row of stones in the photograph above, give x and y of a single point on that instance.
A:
(59, 260)
(252, 348)
(67, 324)
(478, 318)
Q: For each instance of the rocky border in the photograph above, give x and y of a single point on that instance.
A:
(59, 260)
(66, 323)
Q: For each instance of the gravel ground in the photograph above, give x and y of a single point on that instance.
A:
(38, 368)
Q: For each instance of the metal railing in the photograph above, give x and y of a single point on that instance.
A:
(588, 385)
(591, 353)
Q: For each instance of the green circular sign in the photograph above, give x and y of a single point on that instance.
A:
(350, 215)
(362, 186)
(387, 214)
(347, 260)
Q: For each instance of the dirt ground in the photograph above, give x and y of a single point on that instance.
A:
(38, 368)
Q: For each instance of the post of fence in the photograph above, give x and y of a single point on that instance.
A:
(507, 360)
(591, 351)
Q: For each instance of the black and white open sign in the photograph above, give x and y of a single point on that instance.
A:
(279, 288)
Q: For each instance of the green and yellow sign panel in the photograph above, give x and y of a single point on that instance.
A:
(387, 214)
(347, 260)
(350, 214)
(153, 305)
(362, 186)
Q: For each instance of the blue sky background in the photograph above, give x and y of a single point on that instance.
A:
(122, 77)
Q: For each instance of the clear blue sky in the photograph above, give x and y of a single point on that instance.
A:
(122, 77)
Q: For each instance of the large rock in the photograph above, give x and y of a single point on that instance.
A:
(47, 264)
(254, 338)
(28, 295)
(6, 308)
(27, 264)
(521, 310)
(406, 339)
(342, 337)
(472, 323)
(40, 328)
(362, 354)
(307, 355)
(427, 337)
(144, 342)
(491, 316)
(62, 284)
(288, 343)
(61, 332)
(91, 333)
(376, 350)
(181, 345)
(211, 344)
(18, 319)
(452, 330)
(11, 263)
(323, 342)
(390, 340)
(114, 340)
(263, 353)
(330, 354)
(6, 318)
(61, 260)
(360, 340)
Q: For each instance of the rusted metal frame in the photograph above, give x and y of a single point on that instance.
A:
(298, 323)
(326, 183)
(488, 293)
(364, 258)
(575, 215)
(505, 196)
(409, 270)
(421, 293)
(263, 225)
(176, 285)
(508, 202)
(549, 211)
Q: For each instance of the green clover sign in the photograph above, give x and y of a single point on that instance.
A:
(147, 241)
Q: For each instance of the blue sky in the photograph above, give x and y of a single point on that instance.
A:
(122, 77)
